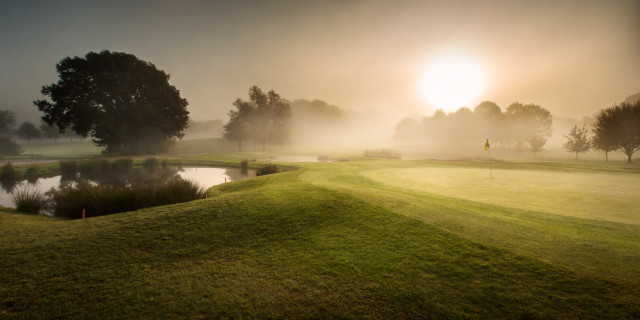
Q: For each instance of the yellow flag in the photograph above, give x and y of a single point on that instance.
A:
(486, 145)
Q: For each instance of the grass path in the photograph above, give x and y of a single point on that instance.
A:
(327, 241)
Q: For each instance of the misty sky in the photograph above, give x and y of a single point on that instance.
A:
(571, 57)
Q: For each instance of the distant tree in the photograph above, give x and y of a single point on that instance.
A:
(9, 147)
(407, 129)
(239, 126)
(28, 131)
(619, 127)
(529, 123)
(122, 102)
(49, 132)
(536, 143)
(488, 110)
(578, 140)
(7, 122)
(262, 119)
(604, 132)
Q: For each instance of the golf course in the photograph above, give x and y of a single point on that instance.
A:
(364, 238)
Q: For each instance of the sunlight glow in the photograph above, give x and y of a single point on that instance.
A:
(452, 82)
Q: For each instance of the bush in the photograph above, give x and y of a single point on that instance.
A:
(268, 169)
(382, 153)
(29, 200)
(31, 174)
(99, 200)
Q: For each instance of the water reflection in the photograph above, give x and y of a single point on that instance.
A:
(205, 177)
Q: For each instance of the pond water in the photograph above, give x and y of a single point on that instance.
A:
(206, 177)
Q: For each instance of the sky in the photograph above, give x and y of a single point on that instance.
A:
(571, 57)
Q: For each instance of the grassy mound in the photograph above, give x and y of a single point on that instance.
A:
(327, 241)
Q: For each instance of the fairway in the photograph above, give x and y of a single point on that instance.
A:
(378, 239)
(591, 195)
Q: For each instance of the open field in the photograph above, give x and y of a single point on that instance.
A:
(361, 239)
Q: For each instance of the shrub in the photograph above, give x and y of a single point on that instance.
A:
(268, 169)
(29, 200)
(98, 200)
(382, 153)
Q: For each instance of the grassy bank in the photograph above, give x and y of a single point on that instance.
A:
(366, 239)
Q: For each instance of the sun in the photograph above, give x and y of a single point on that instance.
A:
(451, 82)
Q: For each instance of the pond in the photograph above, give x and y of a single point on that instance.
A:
(205, 177)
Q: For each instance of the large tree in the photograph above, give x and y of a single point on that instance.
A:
(618, 127)
(122, 102)
(578, 140)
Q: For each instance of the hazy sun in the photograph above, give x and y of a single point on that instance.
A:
(451, 82)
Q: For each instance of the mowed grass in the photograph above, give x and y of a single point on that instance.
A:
(332, 240)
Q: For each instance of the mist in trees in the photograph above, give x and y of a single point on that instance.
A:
(578, 140)
(520, 127)
(263, 119)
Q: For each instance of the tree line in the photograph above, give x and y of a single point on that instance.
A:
(614, 128)
(520, 127)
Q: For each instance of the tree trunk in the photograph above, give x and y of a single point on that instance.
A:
(576, 155)
(606, 156)
(629, 157)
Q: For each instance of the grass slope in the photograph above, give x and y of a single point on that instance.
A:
(328, 241)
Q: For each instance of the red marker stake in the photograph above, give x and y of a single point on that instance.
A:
(83, 213)
(206, 195)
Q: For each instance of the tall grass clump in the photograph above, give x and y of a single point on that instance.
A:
(382, 153)
(29, 200)
(68, 169)
(31, 174)
(9, 172)
(268, 169)
(99, 200)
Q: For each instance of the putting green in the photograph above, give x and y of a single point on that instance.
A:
(603, 196)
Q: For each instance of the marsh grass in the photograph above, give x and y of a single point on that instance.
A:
(29, 200)
(9, 172)
(31, 174)
(98, 200)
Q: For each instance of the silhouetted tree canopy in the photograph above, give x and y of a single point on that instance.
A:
(263, 119)
(122, 102)
(28, 131)
(578, 140)
(618, 127)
